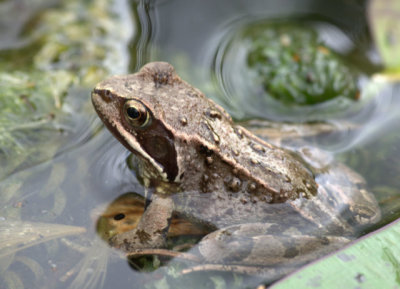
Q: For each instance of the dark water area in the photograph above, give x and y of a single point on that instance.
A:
(207, 43)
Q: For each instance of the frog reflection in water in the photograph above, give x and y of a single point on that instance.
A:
(266, 205)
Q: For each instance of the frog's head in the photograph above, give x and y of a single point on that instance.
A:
(130, 108)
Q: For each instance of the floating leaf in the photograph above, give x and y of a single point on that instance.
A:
(371, 262)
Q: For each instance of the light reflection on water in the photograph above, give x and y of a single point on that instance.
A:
(94, 165)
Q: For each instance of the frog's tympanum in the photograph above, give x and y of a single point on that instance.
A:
(266, 205)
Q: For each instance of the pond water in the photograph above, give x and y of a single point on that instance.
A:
(207, 42)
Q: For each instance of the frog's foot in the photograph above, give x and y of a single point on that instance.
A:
(253, 244)
(151, 230)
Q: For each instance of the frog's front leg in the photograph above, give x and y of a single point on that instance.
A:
(253, 245)
(151, 230)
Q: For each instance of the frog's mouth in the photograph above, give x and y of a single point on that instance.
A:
(154, 145)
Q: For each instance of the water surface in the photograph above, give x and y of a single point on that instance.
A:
(203, 40)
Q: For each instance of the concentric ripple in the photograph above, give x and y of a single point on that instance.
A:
(286, 70)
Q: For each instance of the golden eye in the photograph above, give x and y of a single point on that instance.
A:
(136, 113)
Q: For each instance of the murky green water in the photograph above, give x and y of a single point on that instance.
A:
(71, 177)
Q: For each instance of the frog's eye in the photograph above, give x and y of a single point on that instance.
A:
(136, 113)
(118, 217)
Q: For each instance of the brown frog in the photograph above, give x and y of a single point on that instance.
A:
(267, 205)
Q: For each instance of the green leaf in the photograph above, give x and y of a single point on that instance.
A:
(371, 262)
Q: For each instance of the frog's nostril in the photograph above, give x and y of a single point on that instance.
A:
(105, 94)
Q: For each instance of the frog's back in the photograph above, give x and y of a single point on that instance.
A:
(208, 143)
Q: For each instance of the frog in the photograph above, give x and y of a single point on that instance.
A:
(265, 206)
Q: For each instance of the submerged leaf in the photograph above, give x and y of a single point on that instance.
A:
(12, 280)
(33, 266)
(18, 235)
(296, 67)
(91, 270)
(30, 113)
